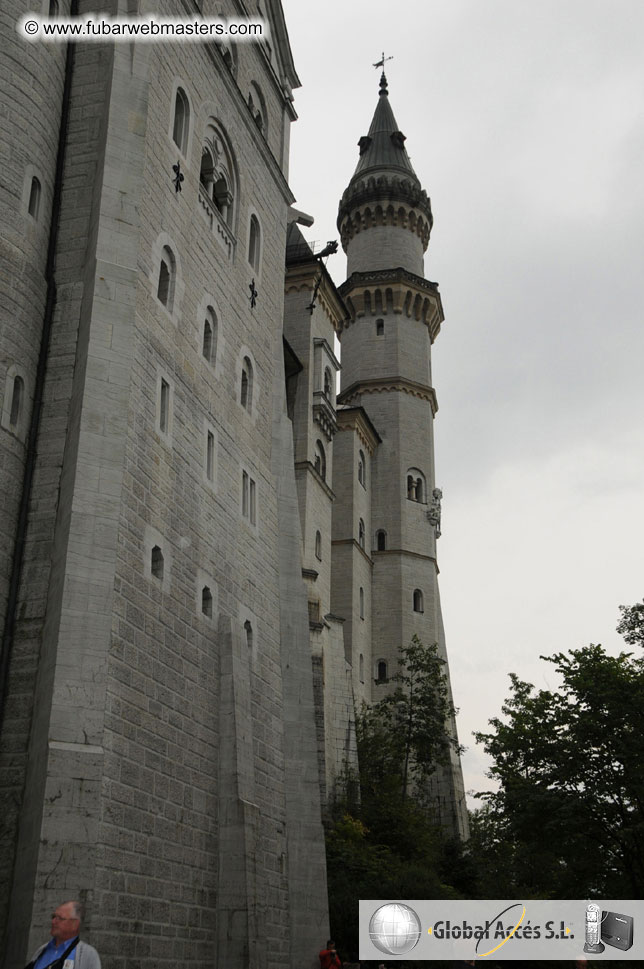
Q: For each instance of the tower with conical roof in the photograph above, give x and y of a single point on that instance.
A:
(387, 511)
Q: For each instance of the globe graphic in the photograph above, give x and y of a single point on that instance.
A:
(394, 928)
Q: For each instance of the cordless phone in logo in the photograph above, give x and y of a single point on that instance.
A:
(593, 927)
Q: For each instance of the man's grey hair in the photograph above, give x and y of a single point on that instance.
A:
(79, 911)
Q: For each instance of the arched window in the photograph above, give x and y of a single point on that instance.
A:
(320, 460)
(380, 327)
(249, 633)
(381, 671)
(53, 8)
(418, 601)
(247, 384)
(361, 602)
(209, 348)
(416, 490)
(181, 123)
(223, 198)
(207, 172)
(207, 340)
(254, 242)
(17, 396)
(229, 54)
(362, 477)
(361, 534)
(167, 275)
(156, 562)
(318, 546)
(361, 667)
(217, 173)
(34, 197)
(381, 540)
(206, 602)
(328, 383)
(257, 107)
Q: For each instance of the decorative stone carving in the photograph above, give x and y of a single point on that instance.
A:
(434, 511)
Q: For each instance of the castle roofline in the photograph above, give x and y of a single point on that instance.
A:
(355, 416)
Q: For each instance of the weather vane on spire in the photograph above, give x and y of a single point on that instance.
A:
(383, 61)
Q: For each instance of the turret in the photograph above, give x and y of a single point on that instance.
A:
(385, 197)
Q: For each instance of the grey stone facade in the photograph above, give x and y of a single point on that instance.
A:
(192, 596)
(159, 754)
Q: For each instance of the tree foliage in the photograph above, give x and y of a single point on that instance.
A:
(404, 737)
(568, 817)
(383, 841)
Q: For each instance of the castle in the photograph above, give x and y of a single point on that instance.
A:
(208, 560)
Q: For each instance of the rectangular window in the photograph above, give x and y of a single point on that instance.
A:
(244, 494)
(252, 509)
(164, 407)
(210, 456)
(249, 498)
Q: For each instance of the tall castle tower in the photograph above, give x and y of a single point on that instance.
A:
(385, 577)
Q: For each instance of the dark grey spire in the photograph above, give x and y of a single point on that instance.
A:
(383, 149)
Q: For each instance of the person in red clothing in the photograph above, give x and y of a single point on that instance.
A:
(329, 958)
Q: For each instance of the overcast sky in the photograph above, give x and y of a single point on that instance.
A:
(524, 123)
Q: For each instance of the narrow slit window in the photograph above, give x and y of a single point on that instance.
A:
(246, 394)
(207, 341)
(165, 286)
(252, 502)
(17, 396)
(210, 456)
(254, 242)
(318, 545)
(156, 562)
(319, 461)
(245, 489)
(362, 470)
(34, 198)
(164, 407)
(361, 602)
(181, 120)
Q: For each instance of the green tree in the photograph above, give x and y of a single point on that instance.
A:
(568, 817)
(383, 841)
(405, 736)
